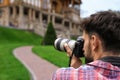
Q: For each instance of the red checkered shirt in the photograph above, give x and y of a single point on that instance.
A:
(97, 70)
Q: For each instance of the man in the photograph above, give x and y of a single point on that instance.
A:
(101, 34)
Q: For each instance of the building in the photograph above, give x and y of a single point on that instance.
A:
(36, 14)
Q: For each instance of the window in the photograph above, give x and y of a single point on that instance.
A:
(26, 11)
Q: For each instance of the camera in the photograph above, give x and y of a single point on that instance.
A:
(75, 45)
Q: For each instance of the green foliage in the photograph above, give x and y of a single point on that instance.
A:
(50, 35)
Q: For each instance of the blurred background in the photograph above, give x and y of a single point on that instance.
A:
(38, 23)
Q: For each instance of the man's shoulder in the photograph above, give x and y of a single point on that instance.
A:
(72, 73)
(92, 66)
(103, 65)
(82, 68)
(94, 70)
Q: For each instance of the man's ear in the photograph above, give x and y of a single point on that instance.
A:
(94, 42)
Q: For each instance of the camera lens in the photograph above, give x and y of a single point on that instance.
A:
(59, 44)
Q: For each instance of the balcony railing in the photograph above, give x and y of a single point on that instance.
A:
(72, 10)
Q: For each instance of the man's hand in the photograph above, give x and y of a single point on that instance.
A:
(68, 50)
(75, 62)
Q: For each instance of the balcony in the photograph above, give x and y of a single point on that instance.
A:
(72, 14)
(72, 10)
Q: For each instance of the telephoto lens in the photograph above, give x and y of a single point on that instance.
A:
(76, 46)
(59, 44)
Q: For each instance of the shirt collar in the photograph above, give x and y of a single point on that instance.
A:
(111, 59)
(107, 63)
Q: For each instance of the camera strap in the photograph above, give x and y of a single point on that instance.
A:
(75, 52)
(70, 58)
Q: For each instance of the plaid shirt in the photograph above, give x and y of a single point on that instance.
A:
(97, 70)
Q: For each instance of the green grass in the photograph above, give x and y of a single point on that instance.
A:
(10, 67)
(52, 55)
(9, 35)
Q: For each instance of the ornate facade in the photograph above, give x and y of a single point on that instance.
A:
(36, 14)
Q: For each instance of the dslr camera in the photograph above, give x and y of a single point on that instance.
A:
(75, 45)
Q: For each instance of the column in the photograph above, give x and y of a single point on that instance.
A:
(41, 29)
(31, 19)
(6, 16)
(49, 6)
(74, 29)
(14, 12)
(33, 15)
(63, 22)
(70, 26)
(30, 14)
(48, 18)
(40, 17)
(21, 18)
(53, 20)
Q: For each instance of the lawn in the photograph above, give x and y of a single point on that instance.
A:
(52, 55)
(10, 67)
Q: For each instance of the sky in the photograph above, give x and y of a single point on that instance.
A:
(89, 7)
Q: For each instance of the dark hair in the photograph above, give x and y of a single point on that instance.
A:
(106, 24)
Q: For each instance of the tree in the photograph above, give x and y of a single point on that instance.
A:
(50, 35)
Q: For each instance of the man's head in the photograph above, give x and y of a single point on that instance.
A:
(101, 32)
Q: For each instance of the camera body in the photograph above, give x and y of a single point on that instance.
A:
(75, 46)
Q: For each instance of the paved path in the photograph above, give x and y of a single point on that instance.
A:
(39, 68)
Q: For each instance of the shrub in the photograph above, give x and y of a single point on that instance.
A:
(50, 35)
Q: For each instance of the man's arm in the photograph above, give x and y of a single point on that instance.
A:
(75, 62)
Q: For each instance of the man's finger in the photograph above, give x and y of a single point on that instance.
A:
(68, 50)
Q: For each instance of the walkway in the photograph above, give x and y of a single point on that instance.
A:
(39, 68)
